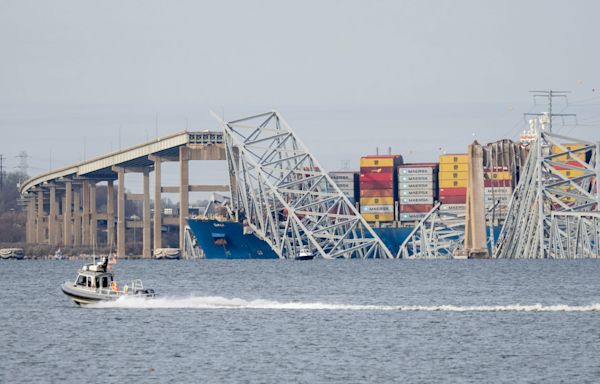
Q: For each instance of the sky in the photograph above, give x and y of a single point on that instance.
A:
(82, 78)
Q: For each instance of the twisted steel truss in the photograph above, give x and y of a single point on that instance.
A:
(439, 235)
(286, 198)
(552, 215)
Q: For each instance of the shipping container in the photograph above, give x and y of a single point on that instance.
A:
(453, 199)
(377, 193)
(417, 171)
(417, 200)
(498, 190)
(416, 192)
(453, 175)
(377, 200)
(377, 208)
(453, 191)
(497, 183)
(453, 183)
(381, 161)
(454, 158)
(377, 185)
(417, 178)
(411, 216)
(376, 177)
(579, 155)
(417, 185)
(412, 208)
(368, 170)
(454, 167)
(453, 207)
(502, 175)
(381, 217)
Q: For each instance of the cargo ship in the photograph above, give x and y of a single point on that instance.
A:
(392, 196)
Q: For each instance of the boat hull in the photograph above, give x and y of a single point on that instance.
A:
(84, 296)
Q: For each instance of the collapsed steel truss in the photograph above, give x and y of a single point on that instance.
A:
(552, 215)
(439, 235)
(286, 198)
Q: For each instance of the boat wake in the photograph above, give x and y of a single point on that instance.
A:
(217, 302)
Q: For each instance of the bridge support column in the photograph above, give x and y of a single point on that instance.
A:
(67, 220)
(475, 236)
(146, 250)
(184, 182)
(52, 226)
(110, 215)
(120, 212)
(41, 230)
(77, 217)
(157, 202)
(30, 237)
(93, 218)
(86, 213)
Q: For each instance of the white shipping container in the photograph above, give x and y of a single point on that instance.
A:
(416, 192)
(417, 216)
(417, 178)
(344, 184)
(498, 190)
(377, 209)
(417, 200)
(415, 171)
(453, 207)
(494, 199)
(346, 176)
(417, 185)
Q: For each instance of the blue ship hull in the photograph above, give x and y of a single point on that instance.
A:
(226, 240)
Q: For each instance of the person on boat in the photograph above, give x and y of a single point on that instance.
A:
(114, 286)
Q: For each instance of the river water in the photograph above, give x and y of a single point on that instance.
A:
(341, 321)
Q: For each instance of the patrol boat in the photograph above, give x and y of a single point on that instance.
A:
(95, 282)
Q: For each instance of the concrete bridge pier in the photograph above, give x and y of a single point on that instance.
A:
(67, 216)
(110, 214)
(77, 216)
(157, 201)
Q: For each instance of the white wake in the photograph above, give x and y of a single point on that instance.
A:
(217, 302)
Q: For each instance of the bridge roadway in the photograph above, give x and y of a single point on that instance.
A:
(61, 204)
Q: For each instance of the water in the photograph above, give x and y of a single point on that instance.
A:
(307, 322)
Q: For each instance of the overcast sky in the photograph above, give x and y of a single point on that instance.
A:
(81, 78)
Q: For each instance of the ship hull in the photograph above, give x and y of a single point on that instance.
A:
(226, 240)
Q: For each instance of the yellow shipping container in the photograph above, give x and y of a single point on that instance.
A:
(579, 155)
(373, 217)
(454, 167)
(453, 175)
(451, 159)
(501, 175)
(570, 173)
(376, 161)
(453, 183)
(377, 200)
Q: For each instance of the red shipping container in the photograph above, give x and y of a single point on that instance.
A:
(376, 177)
(377, 185)
(572, 163)
(497, 183)
(453, 191)
(453, 199)
(369, 170)
(376, 192)
(415, 208)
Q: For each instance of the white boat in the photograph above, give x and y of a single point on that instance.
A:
(95, 282)
(305, 254)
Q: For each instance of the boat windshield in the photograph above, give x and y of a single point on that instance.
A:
(82, 280)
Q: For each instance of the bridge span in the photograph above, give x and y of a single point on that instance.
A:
(61, 204)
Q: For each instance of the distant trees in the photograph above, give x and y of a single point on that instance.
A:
(12, 216)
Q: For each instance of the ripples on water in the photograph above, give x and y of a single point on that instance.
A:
(311, 322)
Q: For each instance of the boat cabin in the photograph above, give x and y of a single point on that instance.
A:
(94, 276)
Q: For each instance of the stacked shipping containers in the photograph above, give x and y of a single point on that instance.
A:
(347, 182)
(453, 175)
(498, 186)
(417, 189)
(568, 171)
(378, 191)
